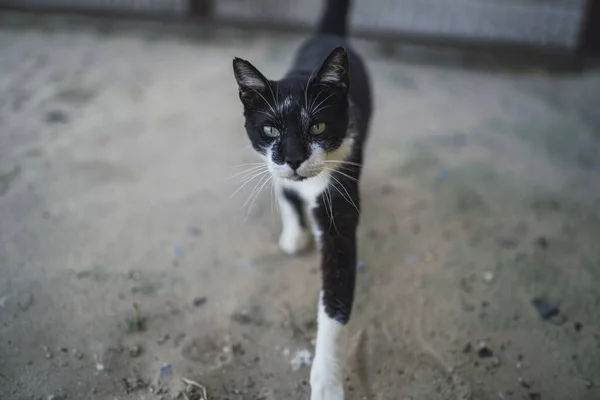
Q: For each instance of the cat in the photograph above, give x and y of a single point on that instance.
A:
(310, 128)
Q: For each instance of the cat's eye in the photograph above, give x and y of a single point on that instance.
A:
(271, 131)
(317, 129)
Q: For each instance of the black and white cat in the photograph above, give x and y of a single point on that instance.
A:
(310, 127)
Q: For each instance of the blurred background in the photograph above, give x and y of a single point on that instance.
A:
(139, 260)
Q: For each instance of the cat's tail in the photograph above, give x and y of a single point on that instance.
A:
(334, 19)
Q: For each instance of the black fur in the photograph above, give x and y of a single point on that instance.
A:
(327, 83)
(298, 205)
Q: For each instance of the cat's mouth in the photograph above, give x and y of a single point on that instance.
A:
(297, 177)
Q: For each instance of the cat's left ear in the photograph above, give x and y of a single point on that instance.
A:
(250, 81)
(334, 70)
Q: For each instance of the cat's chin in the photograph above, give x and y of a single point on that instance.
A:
(297, 178)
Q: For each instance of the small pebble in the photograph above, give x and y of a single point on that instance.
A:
(77, 354)
(195, 231)
(163, 339)
(135, 351)
(99, 367)
(542, 242)
(507, 243)
(47, 352)
(199, 301)
(165, 370)
(588, 384)
(57, 117)
(544, 308)
(488, 277)
(524, 383)
(177, 251)
(578, 326)
(558, 320)
(467, 348)
(360, 265)
(483, 351)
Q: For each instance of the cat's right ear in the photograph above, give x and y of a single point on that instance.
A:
(251, 82)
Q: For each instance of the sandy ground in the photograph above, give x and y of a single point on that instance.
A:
(126, 267)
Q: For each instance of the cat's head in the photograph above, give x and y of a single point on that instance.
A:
(299, 126)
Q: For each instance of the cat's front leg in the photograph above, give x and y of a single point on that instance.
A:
(295, 236)
(338, 264)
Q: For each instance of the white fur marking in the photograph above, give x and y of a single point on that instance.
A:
(326, 373)
(294, 238)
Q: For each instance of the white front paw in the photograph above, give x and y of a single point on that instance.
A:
(293, 241)
(326, 389)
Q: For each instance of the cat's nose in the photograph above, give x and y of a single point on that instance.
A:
(293, 162)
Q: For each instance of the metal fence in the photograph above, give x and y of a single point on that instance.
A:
(535, 23)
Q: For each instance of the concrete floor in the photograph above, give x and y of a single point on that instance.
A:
(122, 255)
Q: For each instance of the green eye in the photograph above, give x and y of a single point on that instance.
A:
(271, 132)
(317, 129)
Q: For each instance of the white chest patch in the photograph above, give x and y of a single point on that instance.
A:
(310, 189)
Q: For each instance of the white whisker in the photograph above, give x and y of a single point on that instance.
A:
(343, 162)
(256, 188)
(349, 198)
(342, 173)
(247, 181)
(246, 171)
(257, 194)
(269, 104)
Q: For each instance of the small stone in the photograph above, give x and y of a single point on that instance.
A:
(199, 301)
(507, 243)
(488, 277)
(194, 231)
(558, 320)
(77, 354)
(535, 396)
(178, 338)
(163, 339)
(578, 326)
(133, 384)
(57, 117)
(545, 309)
(467, 348)
(588, 384)
(483, 351)
(519, 365)
(524, 383)
(360, 265)
(99, 367)
(135, 351)
(165, 370)
(495, 362)
(177, 251)
(47, 352)
(542, 242)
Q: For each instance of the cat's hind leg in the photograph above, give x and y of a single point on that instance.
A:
(295, 236)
